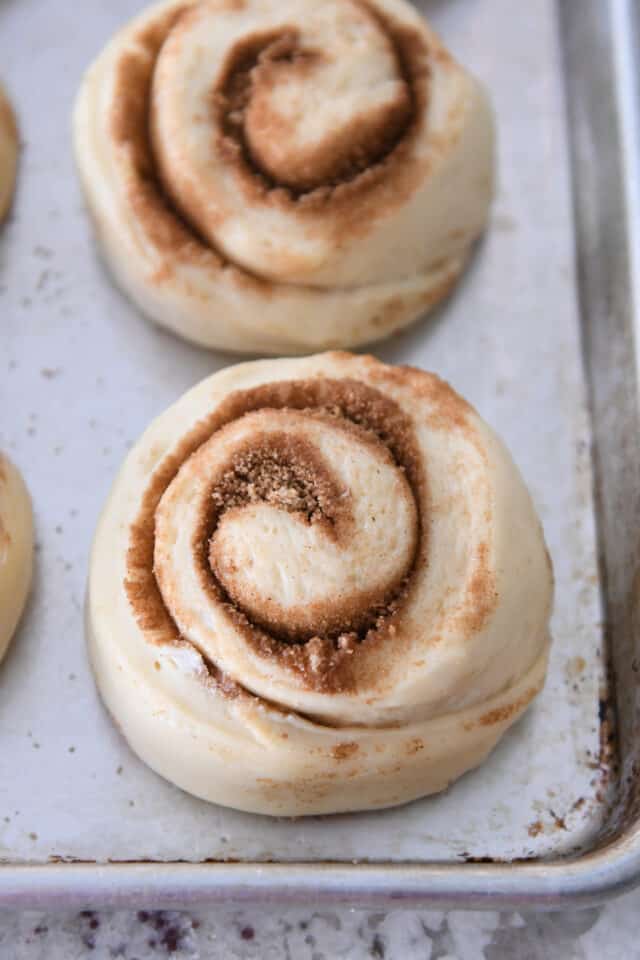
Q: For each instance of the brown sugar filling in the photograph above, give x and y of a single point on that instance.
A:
(373, 148)
(331, 662)
(280, 471)
(286, 471)
(359, 178)
(249, 127)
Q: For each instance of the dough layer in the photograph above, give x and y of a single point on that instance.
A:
(318, 585)
(281, 176)
(16, 549)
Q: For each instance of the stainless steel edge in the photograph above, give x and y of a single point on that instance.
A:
(600, 41)
(581, 883)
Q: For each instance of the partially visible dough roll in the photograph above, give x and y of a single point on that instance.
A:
(8, 153)
(318, 585)
(16, 549)
(280, 176)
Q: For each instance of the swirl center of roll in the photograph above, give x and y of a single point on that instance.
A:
(308, 526)
(316, 106)
(295, 97)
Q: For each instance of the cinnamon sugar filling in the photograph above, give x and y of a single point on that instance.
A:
(374, 152)
(286, 473)
(370, 139)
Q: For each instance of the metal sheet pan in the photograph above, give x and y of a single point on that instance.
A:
(539, 337)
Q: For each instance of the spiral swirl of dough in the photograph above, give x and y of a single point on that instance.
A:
(318, 585)
(16, 549)
(283, 175)
(8, 154)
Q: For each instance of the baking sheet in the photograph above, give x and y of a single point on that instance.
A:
(81, 375)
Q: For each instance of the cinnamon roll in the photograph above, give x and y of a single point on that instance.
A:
(283, 175)
(16, 549)
(318, 585)
(8, 153)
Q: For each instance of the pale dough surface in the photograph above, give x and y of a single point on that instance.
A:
(260, 237)
(16, 549)
(430, 690)
(8, 153)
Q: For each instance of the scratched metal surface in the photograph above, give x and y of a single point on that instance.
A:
(81, 374)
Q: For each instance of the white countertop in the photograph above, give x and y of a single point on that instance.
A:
(601, 933)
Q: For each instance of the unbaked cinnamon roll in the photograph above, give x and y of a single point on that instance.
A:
(8, 154)
(16, 549)
(318, 585)
(283, 175)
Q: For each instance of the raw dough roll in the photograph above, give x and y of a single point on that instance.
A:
(16, 549)
(283, 175)
(8, 154)
(318, 585)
